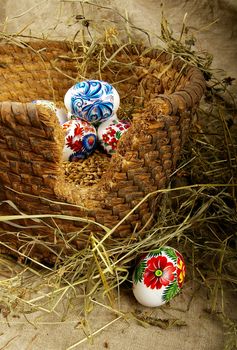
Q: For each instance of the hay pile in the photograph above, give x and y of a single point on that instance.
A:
(197, 213)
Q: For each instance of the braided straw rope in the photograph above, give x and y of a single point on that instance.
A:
(31, 142)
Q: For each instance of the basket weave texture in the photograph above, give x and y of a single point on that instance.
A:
(162, 92)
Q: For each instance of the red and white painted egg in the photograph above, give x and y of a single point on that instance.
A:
(80, 139)
(61, 113)
(158, 276)
(110, 132)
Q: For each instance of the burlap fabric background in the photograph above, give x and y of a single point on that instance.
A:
(202, 331)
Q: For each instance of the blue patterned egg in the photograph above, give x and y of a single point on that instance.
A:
(80, 140)
(60, 112)
(93, 101)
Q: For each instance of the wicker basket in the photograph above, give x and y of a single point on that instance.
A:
(167, 92)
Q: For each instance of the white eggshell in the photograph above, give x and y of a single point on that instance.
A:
(116, 101)
(109, 133)
(67, 101)
(61, 113)
(80, 140)
(158, 276)
(93, 101)
(147, 297)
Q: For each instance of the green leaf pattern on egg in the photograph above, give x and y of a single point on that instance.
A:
(118, 135)
(170, 252)
(170, 291)
(139, 271)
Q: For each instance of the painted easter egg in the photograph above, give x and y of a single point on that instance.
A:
(93, 101)
(61, 113)
(109, 133)
(80, 140)
(158, 276)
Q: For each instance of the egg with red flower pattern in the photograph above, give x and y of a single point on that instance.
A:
(158, 276)
(110, 132)
(80, 139)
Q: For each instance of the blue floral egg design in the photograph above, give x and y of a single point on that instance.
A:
(93, 101)
(87, 147)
